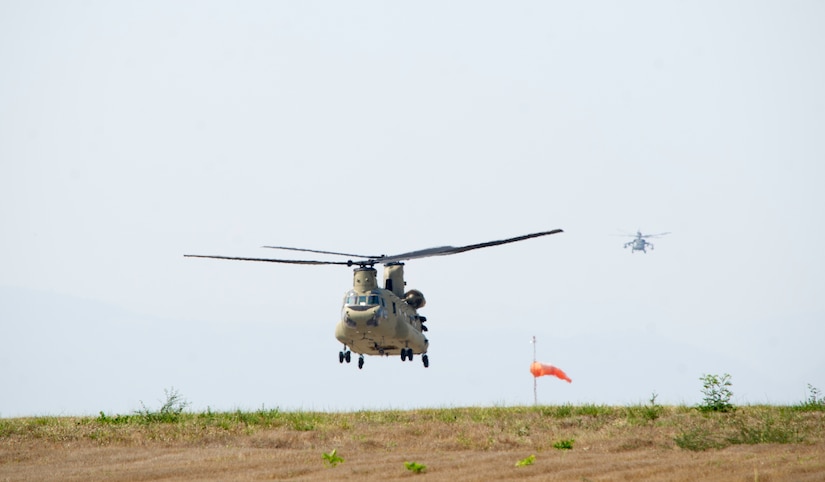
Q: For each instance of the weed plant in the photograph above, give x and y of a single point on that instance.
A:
(564, 444)
(415, 467)
(526, 461)
(646, 413)
(332, 458)
(814, 402)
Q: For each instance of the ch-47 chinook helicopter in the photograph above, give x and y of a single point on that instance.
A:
(640, 242)
(381, 320)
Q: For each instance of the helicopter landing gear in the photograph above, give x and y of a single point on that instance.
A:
(426, 360)
(344, 355)
(361, 362)
(406, 354)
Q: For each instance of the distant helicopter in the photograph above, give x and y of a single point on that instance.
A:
(640, 242)
(381, 321)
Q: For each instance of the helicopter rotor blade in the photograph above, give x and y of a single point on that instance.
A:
(322, 252)
(445, 250)
(270, 260)
(372, 260)
(655, 235)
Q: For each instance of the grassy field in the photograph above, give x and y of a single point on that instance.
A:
(567, 442)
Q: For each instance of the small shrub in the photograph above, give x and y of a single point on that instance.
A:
(653, 410)
(169, 412)
(526, 461)
(717, 392)
(415, 467)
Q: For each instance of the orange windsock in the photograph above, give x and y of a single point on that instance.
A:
(539, 369)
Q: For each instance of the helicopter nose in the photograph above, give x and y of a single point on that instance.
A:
(355, 316)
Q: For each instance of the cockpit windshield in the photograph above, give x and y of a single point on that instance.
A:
(354, 299)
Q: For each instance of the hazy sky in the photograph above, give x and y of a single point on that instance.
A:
(134, 132)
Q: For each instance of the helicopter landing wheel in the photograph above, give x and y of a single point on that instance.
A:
(361, 362)
(340, 357)
(410, 354)
(426, 360)
(403, 354)
(347, 356)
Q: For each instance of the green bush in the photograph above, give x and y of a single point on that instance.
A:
(717, 392)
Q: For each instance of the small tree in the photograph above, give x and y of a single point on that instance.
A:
(716, 390)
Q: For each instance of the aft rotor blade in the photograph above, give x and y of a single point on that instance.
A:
(445, 250)
(322, 252)
(270, 260)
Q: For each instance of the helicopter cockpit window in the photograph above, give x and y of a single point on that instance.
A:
(363, 300)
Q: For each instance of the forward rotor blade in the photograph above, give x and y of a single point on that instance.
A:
(372, 260)
(655, 235)
(270, 260)
(445, 250)
(322, 252)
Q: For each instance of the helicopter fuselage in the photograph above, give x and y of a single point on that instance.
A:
(639, 245)
(378, 321)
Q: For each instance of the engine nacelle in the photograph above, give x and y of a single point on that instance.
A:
(415, 299)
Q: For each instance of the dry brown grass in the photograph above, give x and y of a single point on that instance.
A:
(609, 443)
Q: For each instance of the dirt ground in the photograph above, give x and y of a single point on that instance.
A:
(565, 443)
(262, 459)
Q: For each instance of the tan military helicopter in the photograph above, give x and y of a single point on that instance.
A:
(381, 321)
